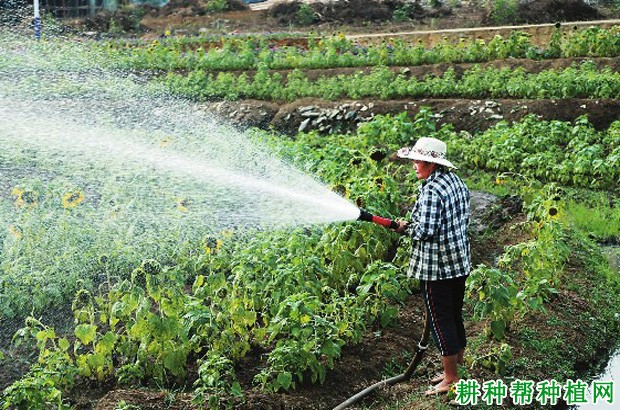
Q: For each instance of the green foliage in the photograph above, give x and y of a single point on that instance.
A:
(504, 11)
(252, 52)
(400, 15)
(553, 151)
(300, 295)
(216, 377)
(579, 81)
(52, 249)
(497, 359)
(206, 72)
(123, 405)
(403, 13)
(494, 295)
(593, 42)
(305, 15)
(529, 272)
(216, 5)
(146, 328)
(599, 218)
(54, 373)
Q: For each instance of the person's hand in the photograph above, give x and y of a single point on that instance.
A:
(402, 225)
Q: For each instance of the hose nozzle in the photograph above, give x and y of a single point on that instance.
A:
(365, 216)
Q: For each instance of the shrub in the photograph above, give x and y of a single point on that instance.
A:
(503, 11)
(305, 15)
(217, 5)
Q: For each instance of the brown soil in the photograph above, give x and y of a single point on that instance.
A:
(463, 114)
(350, 18)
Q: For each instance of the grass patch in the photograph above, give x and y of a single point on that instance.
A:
(601, 220)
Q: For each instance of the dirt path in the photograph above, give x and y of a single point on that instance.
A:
(476, 30)
(540, 34)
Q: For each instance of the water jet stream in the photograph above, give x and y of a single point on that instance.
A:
(97, 145)
(93, 119)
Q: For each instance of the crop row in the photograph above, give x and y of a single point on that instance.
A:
(553, 151)
(578, 81)
(255, 52)
(569, 154)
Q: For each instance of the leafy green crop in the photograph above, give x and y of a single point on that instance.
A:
(554, 151)
(579, 81)
(254, 52)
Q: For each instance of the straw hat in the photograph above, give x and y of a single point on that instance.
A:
(427, 149)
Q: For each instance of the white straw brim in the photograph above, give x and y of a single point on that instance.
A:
(419, 157)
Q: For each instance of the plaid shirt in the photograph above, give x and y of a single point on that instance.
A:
(440, 245)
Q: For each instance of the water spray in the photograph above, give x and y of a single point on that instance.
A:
(37, 20)
(164, 150)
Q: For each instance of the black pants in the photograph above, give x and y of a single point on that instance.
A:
(444, 305)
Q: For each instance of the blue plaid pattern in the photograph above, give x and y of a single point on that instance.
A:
(440, 217)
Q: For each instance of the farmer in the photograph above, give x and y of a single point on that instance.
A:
(440, 257)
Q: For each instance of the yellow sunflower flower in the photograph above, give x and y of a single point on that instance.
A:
(212, 245)
(380, 183)
(452, 392)
(72, 199)
(24, 198)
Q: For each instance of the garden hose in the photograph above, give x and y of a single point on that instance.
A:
(420, 349)
(379, 220)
